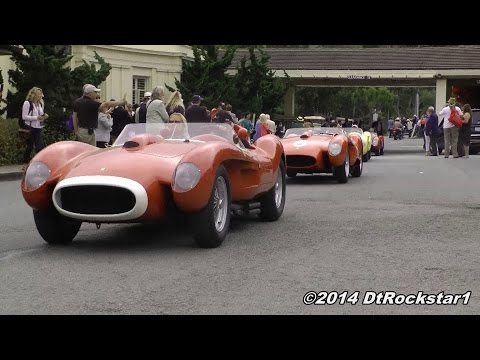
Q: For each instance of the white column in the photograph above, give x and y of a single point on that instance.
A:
(440, 95)
(289, 102)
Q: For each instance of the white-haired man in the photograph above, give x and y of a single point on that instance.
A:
(156, 111)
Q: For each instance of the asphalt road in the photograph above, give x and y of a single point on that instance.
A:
(408, 224)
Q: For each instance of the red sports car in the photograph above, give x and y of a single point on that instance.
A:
(204, 170)
(323, 150)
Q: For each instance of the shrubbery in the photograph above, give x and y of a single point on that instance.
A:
(12, 146)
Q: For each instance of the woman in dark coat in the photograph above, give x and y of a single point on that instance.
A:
(466, 129)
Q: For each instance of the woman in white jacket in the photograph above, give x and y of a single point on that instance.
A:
(34, 116)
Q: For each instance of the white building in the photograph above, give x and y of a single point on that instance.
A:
(135, 68)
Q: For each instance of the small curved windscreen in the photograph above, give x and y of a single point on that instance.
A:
(312, 131)
(354, 130)
(178, 131)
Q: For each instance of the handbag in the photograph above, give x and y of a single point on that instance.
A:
(455, 119)
(24, 134)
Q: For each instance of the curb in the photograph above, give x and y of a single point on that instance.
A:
(14, 175)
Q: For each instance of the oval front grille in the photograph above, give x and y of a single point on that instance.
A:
(300, 160)
(97, 199)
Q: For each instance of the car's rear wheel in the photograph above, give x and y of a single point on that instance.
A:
(55, 228)
(273, 202)
(341, 172)
(210, 226)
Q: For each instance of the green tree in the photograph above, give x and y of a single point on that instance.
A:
(318, 101)
(356, 103)
(88, 73)
(257, 88)
(366, 100)
(206, 75)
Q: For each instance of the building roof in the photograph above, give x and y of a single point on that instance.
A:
(396, 58)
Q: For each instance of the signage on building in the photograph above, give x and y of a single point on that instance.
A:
(358, 77)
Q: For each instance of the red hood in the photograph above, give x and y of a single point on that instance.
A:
(307, 145)
(155, 161)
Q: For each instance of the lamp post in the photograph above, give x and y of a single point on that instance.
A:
(417, 98)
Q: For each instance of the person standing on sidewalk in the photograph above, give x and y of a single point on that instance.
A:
(34, 116)
(432, 130)
(466, 129)
(450, 131)
(87, 108)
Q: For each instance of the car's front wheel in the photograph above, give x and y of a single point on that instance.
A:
(210, 226)
(55, 228)
(341, 172)
(273, 202)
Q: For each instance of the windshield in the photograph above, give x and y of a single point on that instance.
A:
(313, 131)
(354, 130)
(179, 131)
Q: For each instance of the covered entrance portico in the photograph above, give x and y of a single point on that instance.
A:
(451, 70)
(463, 86)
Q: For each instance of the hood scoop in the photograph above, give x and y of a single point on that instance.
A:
(131, 144)
(140, 141)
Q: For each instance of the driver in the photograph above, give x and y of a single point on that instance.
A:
(177, 124)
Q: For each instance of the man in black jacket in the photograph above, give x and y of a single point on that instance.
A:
(85, 116)
(195, 112)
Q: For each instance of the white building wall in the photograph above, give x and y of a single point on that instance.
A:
(160, 64)
(5, 65)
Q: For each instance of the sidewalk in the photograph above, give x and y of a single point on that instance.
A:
(11, 172)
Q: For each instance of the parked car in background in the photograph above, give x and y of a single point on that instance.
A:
(475, 137)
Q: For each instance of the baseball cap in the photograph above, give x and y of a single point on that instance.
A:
(197, 98)
(148, 94)
(90, 88)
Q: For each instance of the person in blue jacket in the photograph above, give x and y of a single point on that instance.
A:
(432, 130)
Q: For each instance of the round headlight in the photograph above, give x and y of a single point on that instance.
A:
(36, 175)
(334, 149)
(186, 177)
